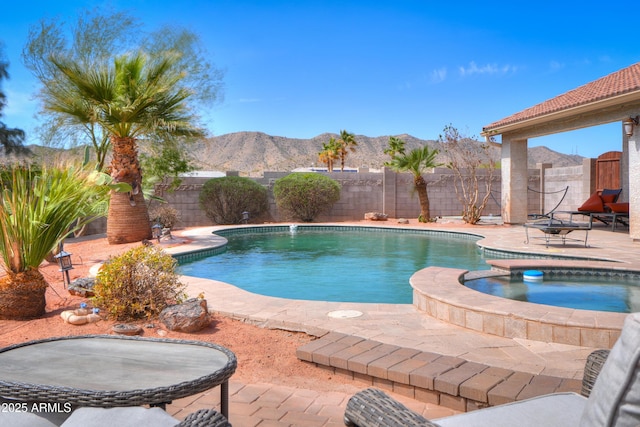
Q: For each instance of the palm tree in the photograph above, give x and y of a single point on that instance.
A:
(416, 162)
(347, 142)
(329, 153)
(396, 146)
(132, 98)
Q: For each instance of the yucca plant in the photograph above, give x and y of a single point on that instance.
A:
(39, 207)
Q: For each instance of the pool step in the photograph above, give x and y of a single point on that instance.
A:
(428, 377)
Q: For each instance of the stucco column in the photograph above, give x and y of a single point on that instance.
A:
(514, 181)
(634, 184)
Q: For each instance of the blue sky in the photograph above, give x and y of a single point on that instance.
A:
(375, 68)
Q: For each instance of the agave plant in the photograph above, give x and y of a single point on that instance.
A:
(39, 207)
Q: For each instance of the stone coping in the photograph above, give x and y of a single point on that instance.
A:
(438, 292)
(429, 377)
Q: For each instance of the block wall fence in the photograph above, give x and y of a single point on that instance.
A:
(393, 194)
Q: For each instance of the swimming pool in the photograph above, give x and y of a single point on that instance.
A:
(343, 264)
(584, 292)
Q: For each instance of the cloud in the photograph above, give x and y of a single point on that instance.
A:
(489, 69)
(556, 66)
(439, 75)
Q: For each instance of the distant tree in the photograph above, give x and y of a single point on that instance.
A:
(11, 138)
(417, 161)
(329, 153)
(396, 147)
(467, 157)
(99, 36)
(347, 143)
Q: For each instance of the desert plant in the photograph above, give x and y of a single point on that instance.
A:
(39, 207)
(138, 284)
(166, 215)
(225, 199)
(304, 196)
(467, 158)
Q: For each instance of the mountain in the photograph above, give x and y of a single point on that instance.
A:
(256, 152)
(253, 153)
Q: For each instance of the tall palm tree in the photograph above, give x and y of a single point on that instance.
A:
(133, 97)
(416, 162)
(396, 147)
(347, 142)
(329, 153)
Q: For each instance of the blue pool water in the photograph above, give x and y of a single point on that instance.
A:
(582, 292)
(349, 266)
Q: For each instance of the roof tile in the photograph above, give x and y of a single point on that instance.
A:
(621, 82)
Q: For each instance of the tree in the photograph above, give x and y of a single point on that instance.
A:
(346, 143)
(467, 158)
(396, 147)
(97, 36)
(329, 153)
(10, 138)
(132, 97)
(416, 162)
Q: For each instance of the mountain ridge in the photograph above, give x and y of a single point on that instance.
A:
(256, 152)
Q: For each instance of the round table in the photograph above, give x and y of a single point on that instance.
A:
(114, 370)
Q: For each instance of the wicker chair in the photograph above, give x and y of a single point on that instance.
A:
(205, 418)
(374, 408)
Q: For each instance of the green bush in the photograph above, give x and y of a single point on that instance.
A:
(138, 284)
(304, 196)
(225, 199)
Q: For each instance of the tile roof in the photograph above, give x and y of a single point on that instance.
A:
(621, 82)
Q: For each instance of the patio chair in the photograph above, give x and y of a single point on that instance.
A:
(603, 206)
(610, 397)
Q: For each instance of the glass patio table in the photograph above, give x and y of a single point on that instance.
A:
(114, 370)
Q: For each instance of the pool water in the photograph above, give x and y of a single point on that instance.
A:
(582, 292)
(348, 266)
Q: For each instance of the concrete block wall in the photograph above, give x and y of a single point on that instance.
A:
(387, 192)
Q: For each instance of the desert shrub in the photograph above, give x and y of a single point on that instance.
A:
(166, 215)
(138, 284)
(225, 199)
(304, 196)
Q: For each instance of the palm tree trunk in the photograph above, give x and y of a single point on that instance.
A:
(128, 216)
(421, 188)
(126, 223)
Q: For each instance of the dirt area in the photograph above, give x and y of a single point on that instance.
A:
(264, 356)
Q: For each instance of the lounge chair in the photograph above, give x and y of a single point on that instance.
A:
(610, 396)
(603, 206)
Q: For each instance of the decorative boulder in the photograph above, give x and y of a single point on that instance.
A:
(403, 221)
(190, 316)
(375, 216)
(82, 287)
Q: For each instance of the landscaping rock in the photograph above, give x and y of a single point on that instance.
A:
(375, 216)
(190, 316)
(403, 221)
(82, 287)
